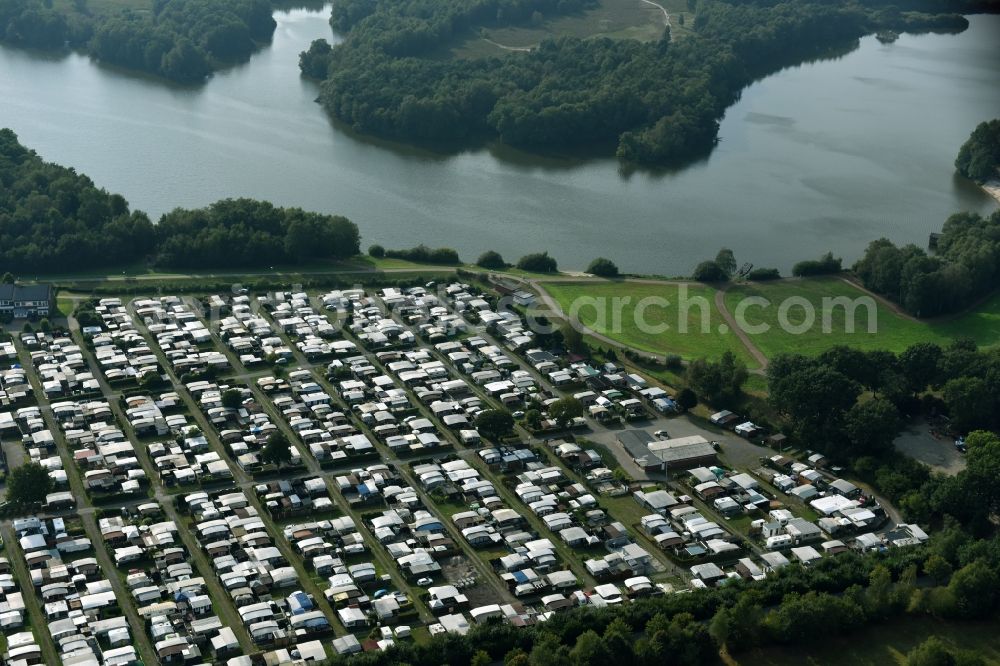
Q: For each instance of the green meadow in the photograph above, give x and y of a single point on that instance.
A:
(616, 308)
(805, 316)
(826, 321)
(612, 19)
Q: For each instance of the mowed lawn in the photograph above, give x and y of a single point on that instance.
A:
(831, 324)
(657, 305)
(982, 324)
(882, 645)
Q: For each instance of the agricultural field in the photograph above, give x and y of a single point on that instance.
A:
(694, 343)
(615, 19)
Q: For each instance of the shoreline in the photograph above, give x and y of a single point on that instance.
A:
(992, 188)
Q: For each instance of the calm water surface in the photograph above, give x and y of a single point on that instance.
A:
(825, 156)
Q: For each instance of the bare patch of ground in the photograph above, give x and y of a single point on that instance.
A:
(934, 449)
(459, 572)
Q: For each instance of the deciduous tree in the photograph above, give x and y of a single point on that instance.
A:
(491, 260)
(277, 450)
(564, 410)
(603, 267)
(494, 423)
(28, 485)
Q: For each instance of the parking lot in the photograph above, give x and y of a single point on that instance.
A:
(936, 450)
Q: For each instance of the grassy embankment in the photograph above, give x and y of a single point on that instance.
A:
(139, 278)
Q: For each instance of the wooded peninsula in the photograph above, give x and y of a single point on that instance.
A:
(979, 157)
(651, 103)
(53, 219)
(181, 40)
(656, 102)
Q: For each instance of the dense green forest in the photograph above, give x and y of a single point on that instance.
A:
(414, 27)
(979, 157)
(182, 40)
(965, 264)
(965, 267)
(237, 233)
(651, 102)
(53, 219)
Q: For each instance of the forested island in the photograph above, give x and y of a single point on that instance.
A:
(55, 220)
(979, 157)
(181, 40)
(650, 103)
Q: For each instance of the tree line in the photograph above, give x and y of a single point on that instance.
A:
(181, 40)
(421, 254)
(719, 383)
(819, 396)
(238, 233)
(724, 268)
(655, 102)
(979, 156)
(53, 219)
(964, 267)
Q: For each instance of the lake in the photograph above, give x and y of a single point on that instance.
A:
(825, 156)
